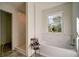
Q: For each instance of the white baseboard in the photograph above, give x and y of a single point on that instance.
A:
(43, 54)
(20, 51)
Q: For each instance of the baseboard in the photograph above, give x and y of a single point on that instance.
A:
(43, 54)
(20, 51)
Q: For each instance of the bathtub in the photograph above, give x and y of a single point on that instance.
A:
(53, 51)
(56, 46)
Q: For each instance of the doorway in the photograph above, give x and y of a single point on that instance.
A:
(5, 32)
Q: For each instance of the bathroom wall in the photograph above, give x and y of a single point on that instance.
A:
(40, 10)
(30, 26)
(39, 23)
(21, 27)
(42, 23)
(75, 15)
(74, 28)
(63, 38)
(34, 21)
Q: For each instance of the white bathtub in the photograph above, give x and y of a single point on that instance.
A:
(56, 45)
(52, 51)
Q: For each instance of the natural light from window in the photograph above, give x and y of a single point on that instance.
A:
(77, 25)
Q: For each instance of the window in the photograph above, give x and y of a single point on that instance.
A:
(77, 25)
(55, 22)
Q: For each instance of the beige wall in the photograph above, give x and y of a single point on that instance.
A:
(29, 24)
(8, 8)
(21, 29)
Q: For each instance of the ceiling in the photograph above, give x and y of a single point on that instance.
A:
(15, 4)
(42, 5)
(47, 5)
(19, 6)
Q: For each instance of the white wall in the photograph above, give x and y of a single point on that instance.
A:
(42, 23)
(35, 24)
(65, 35)
(74, 23)
(30, 26)
(39, 7)
(75, 15)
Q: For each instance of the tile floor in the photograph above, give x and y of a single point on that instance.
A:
(37, 55)
(14, 54)
(17, 54)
